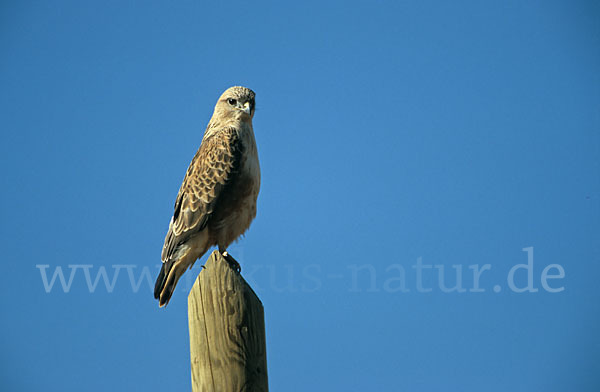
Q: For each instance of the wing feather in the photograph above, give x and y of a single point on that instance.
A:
(213, 166)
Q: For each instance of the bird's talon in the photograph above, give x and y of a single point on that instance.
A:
(233, 263)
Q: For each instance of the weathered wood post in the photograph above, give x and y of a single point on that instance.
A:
(227, 331)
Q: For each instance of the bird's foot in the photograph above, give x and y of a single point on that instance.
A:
(232, 262)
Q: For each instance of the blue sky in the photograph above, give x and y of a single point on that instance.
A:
(395, 138)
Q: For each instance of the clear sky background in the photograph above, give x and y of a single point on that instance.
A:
(454, 133)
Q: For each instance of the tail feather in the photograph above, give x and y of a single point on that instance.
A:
(160, 281)
(172, 269)
(165, 283)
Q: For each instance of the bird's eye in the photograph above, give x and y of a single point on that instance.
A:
(231, 101)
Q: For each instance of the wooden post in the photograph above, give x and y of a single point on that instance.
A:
(227, 331)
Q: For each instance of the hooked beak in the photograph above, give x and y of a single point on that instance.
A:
(247, 108)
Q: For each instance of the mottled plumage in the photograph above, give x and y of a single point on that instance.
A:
(217, 199)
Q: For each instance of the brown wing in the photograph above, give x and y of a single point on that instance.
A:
(211, 168)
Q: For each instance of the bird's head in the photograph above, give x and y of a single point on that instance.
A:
(236, 103)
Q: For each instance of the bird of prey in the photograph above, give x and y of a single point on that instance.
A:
(217, 199)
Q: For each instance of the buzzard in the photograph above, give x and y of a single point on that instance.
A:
(217, 199)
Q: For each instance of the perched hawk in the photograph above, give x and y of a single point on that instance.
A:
(217, 200)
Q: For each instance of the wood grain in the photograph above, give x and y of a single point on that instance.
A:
(227, 331)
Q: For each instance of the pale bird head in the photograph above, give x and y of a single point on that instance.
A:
(236, 102)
